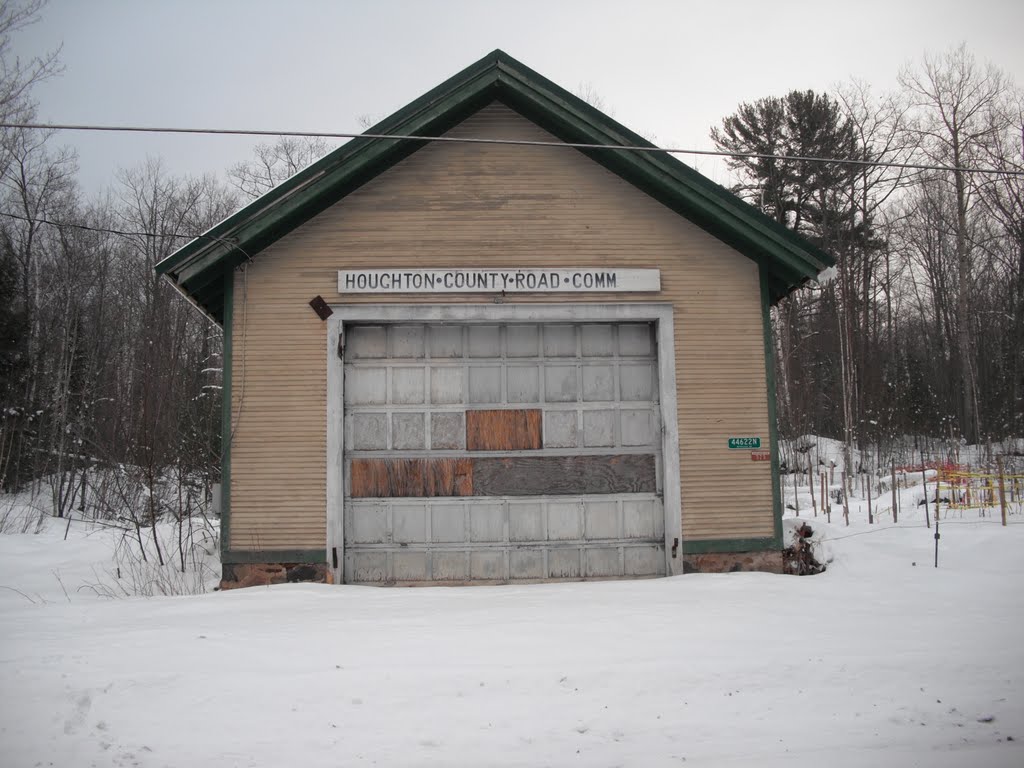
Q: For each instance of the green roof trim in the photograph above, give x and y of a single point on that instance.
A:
(197, 268)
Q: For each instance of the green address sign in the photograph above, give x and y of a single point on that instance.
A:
(745, 442)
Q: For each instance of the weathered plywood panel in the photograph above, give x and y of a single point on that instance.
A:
(554, 475)
(511, 430)
(411, 477)
(462, 205)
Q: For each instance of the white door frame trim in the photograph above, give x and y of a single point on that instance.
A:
(660, 314)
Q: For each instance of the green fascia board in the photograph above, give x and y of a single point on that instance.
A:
(226, 413)
(773, 424)
(594, 127)
(260, 232)
(395, 123)
(789, 258)
(703, 210)
(254, 227)
(362, 160)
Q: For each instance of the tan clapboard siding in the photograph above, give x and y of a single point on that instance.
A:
(464, 205)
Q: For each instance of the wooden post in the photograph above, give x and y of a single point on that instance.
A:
(81, 503)
(826, 504)
(871, 519)
(1002, 488)
(796, 495)
(846, 502)
(895, 496)
(924, 482)
(810, 485)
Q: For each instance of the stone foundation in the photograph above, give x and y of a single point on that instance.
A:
(727, 562)
(238, 575)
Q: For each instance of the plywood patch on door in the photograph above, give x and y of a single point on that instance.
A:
(392, 478)
(505, 430)
(561, 475)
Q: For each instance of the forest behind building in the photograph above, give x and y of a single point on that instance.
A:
(110, 379)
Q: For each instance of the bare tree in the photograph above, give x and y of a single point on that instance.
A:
(956, 100)
(18, 77)
(276, 162)
(1004, 200)
(865, 272)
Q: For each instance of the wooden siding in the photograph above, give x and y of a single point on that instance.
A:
(464, 205)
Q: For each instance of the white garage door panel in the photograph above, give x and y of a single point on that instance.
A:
(504, 538)
(407, 389)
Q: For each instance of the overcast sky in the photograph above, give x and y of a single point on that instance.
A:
(669, 70)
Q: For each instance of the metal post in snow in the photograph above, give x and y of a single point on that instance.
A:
(871, 518)
(796, 493)
(810, 484)
(826, 507)
(846, 502)
(924, 483)
(895, 496)
(936, 537)
(1002, 488)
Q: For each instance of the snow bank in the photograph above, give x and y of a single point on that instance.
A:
(883, 661)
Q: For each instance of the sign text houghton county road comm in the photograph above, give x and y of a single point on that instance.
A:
(583, 280)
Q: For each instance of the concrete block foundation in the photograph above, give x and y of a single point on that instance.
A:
(728, 562)
(237, 575)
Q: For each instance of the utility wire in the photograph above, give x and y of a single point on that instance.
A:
(124, 232)
(515, 142)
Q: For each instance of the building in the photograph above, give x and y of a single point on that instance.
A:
(491, 361)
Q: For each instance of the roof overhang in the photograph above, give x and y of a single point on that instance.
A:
(197, 269)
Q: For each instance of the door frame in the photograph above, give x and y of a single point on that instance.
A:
(661, 314)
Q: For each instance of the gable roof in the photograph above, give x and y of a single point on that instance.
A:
(197, 269)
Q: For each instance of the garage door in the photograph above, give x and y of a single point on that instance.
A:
(496, 453)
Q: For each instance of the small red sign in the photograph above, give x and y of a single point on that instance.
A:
(760, 455)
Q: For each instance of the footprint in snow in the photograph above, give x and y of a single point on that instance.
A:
(82, 705)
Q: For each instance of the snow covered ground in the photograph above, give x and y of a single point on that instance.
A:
(881, 661)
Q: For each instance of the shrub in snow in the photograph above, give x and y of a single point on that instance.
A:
(799, 557)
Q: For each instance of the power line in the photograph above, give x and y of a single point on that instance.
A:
(125, 232)
(514, 142)
(105, 230)
(130, 233)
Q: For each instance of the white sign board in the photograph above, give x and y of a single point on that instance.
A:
(485, 280)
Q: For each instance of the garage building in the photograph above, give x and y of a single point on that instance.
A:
(494, 358)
